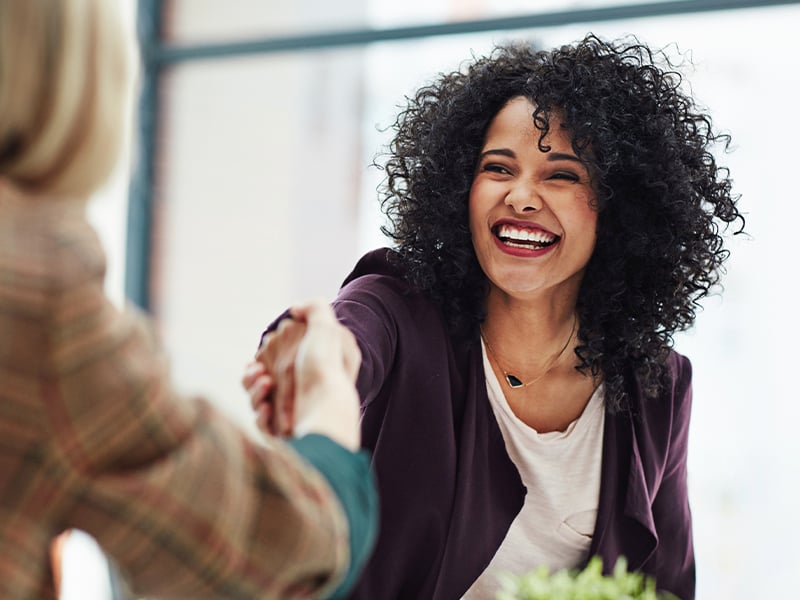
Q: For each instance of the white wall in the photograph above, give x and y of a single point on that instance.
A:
(257, 188)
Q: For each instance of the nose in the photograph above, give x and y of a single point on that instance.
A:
(524, 197)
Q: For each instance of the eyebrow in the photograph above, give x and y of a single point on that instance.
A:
(551, 156)
(554, 156)
(499, 151)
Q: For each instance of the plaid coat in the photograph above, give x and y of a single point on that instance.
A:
(93, 437)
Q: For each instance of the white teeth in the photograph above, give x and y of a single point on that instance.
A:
(525, 235)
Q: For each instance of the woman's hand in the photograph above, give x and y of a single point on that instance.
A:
(260, 380)
(270, 379)
(258, 384)
(303, 379)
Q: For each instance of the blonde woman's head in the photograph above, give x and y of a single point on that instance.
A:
(65, 81)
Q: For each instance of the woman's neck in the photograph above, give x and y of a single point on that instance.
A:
(525, 334)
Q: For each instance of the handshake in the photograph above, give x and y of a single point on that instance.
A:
(303, 378)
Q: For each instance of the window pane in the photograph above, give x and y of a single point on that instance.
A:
(259, 184)
(203, 21)
(206, 21)
(389, 13)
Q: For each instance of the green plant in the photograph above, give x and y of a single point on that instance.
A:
(588, 584)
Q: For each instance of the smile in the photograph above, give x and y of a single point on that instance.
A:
(521, 237)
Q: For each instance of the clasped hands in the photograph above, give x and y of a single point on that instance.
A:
(303, 377)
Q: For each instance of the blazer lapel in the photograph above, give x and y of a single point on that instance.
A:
(625, 524)
(642, 541)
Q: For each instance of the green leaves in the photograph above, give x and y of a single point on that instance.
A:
(589, 584)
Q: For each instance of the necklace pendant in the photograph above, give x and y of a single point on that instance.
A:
(513, 381)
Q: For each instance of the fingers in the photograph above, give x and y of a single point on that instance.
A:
(257, 383)
(264, 417)
(306, 353)
(276, 344)
(251, 371)
(316, 311)
(276, 358)
(282, 400)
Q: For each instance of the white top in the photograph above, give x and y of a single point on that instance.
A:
(561, 471)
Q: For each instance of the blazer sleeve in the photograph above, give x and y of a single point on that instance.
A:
(675, 566)
(186, 504)
(369, 307)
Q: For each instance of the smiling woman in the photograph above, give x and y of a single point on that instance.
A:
(557, 215)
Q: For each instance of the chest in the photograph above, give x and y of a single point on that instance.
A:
(552, 403)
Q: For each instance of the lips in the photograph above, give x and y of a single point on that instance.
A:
(528, 238)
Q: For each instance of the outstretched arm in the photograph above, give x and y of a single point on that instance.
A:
(182, 499)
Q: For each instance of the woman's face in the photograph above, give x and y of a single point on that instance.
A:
(531, 213)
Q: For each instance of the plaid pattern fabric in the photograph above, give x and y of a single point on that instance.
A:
(93, 437)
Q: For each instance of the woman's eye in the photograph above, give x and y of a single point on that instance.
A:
(565, 176)
(495, 168)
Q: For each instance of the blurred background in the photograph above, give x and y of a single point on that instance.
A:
(249, 187)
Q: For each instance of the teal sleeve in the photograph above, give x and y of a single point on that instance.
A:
(349, 474)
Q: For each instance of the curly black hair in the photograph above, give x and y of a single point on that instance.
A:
(663, 201)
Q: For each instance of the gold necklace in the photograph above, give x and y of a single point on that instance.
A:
(515, 382)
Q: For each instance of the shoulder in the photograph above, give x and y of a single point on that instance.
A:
(51, 284)
(49, 248)
(382, 261)
(679, 377)
(669, 414)
(680, 369)
(377, 285)
(391, 321)
(376, 273)
(680, 391)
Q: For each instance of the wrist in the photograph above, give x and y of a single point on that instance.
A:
(333, 411)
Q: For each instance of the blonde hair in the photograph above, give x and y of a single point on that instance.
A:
(65, 86)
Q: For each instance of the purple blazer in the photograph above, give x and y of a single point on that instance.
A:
(448, 490)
